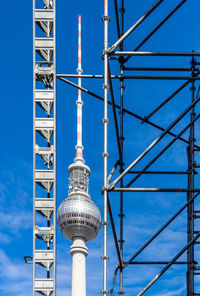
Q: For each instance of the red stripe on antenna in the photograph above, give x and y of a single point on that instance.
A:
(79, 147)
(179, 190)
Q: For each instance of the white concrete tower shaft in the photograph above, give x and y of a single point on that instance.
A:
(79, 252)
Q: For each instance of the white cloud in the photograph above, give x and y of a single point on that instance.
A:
(175, 292)
(5, 238)
(13, 268)
(16, 221)
(16, 276)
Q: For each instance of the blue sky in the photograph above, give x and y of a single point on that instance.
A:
(145, 213)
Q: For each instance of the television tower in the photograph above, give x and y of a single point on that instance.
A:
(78, 217)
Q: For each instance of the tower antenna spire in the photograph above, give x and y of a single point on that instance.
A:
(79, 102)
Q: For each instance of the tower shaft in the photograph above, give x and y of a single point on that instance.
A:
(79, 252)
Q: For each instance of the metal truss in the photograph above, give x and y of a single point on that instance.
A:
(44, 147)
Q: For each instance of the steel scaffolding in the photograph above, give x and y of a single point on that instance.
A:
(122, 57)
(44, 145)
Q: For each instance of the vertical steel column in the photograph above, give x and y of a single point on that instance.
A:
(190, 209)
(105, 155)
(121, 87)
(44, 147)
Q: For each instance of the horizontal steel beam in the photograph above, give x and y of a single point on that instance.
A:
(157, 69)
(163, 172)
(155, 263)
(84, 76)
(178, 190)
(142, 77)
(156, 54)
(130, 77)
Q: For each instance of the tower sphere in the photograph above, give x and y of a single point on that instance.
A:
(78, 216)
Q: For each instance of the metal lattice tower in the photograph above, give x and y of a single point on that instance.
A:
(44, 147)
